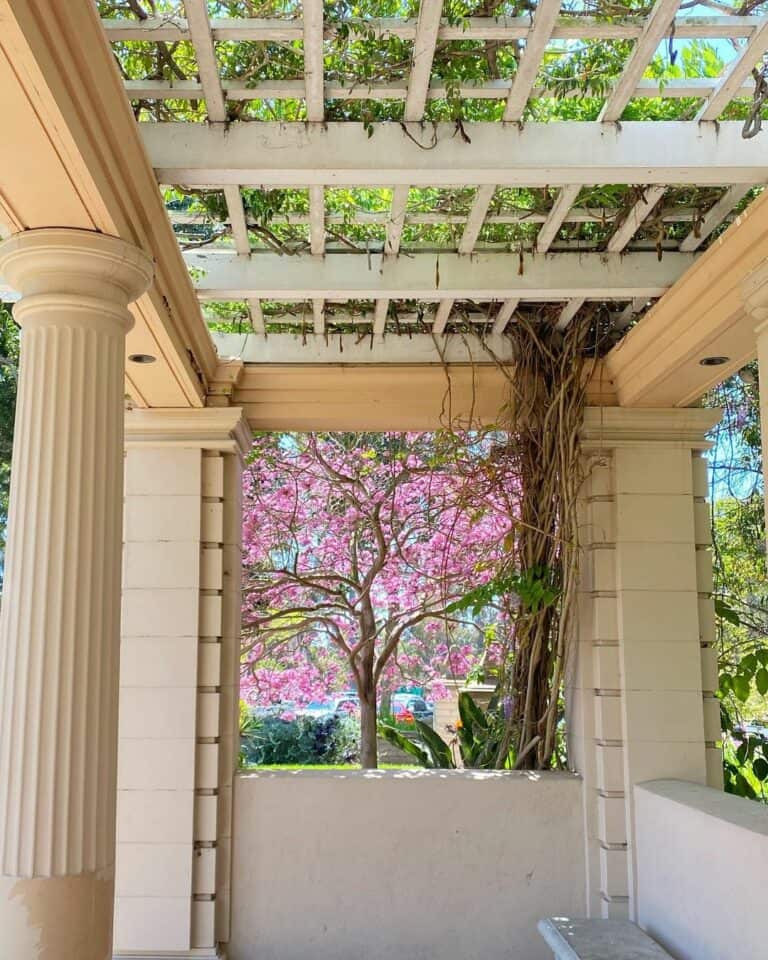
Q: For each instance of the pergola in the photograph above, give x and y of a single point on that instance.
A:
(336, 313)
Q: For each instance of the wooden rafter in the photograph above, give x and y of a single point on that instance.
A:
(544, 20)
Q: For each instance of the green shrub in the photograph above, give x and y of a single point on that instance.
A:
(303, 740)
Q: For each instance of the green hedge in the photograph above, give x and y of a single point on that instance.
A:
(304, 740)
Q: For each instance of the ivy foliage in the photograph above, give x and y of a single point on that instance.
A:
(9, 372)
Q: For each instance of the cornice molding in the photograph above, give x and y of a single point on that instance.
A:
(606, 427)
(209, 428)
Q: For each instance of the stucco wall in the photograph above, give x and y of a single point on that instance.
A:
(702, 866)
(435, 864)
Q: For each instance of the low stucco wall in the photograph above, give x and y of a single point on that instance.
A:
(423, 864)
(702, 867)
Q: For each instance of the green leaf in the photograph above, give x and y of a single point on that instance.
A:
(441, 752)
(761, 681)
(748, 665)
(726, 612)
(741, 687)
(393, 736)
(471, 715)
(760, 768)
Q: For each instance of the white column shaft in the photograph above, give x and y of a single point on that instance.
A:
(60, 623)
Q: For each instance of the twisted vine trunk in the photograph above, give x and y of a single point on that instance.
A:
(548, 410)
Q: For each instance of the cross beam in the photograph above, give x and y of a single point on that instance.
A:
(496, 276)
(343, 154)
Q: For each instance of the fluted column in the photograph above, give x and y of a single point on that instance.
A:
(60, 622)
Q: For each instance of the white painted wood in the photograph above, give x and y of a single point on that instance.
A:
(714, 217)
(736, 73)
(654, 30)
(237, 219)
(257, 315)
(476, 217)
(639, 212)
(318, 316)
(569, 311)
(505, 29)
(557, 216)
(442, 316)
(396, 219)
(380, 316)
(419, 348)
(317, 220)
(398, 90)
(544, 20)
(202, 41)
(489, 276)
(427, 27)
(313, 58)
(574, 215)
(505, 314)
(342, 154)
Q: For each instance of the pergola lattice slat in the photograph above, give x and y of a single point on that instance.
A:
(503, 29)
(714, 217)
(654, 29)
(343, 154)
(538, 37)
(736, 72)
(437, 277)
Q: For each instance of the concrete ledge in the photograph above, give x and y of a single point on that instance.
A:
(701, 858)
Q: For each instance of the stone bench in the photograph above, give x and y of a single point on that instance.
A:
(599, 940)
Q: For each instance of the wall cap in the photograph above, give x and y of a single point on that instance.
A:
(606, 427)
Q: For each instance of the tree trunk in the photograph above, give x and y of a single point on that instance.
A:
(369, 757)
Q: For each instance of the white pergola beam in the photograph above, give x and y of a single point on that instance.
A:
(735, 73)
(419, 348)
(574, 215)
(544, 19)
(654, 30)
(505, 314)
(694, 87)
(207, 65)
(342, 154)
(476, 218)
(424, 42)
(381, 309)
(312, 35)
(557, 216)
(714, 217)
(504, 29)
(636, 216)
(444, 276)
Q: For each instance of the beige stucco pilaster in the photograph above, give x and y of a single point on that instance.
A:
(641, 698)
(59, 630)
(179, 680)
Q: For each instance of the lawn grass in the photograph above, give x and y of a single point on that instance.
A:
(326, 766)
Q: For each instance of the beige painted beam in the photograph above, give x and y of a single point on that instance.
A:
(71, 155)
(384, 397)
(703, 315)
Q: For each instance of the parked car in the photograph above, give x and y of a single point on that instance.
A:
(409, 703)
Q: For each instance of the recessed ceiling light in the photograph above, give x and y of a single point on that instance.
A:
(141, 358)
(714, 361)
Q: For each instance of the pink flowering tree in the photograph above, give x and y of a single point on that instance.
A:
(355, 546)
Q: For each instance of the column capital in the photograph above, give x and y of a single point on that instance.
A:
(209, 428)
(75, 267)
(607, 427)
